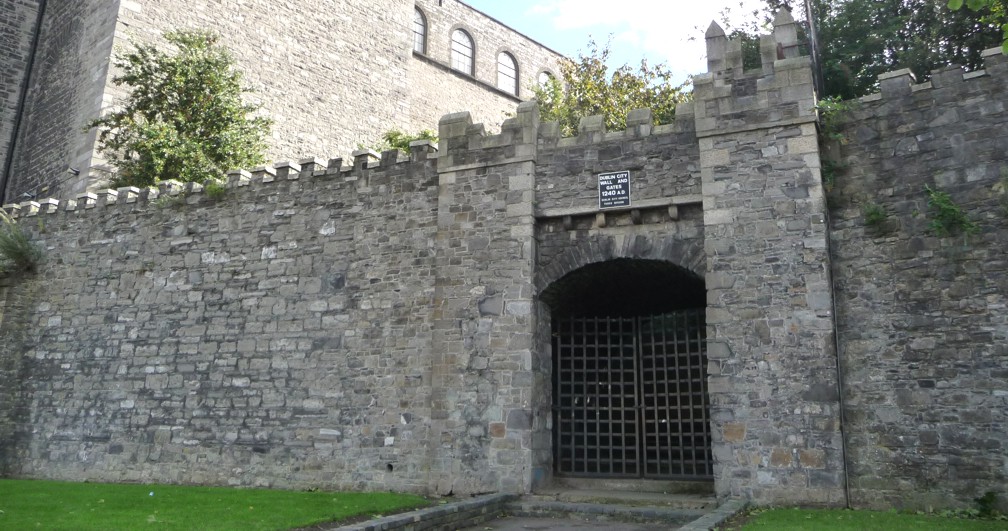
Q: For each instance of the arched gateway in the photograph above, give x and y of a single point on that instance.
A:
(629, 372)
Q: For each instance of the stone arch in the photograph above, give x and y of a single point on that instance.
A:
(686, 253)
(593, 292)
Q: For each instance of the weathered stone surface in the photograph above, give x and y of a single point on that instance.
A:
(388, 325)
(764, 217)
(922, 319)
(352, 60)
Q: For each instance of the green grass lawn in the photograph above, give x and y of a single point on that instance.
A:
(29, 504)
(786, 519)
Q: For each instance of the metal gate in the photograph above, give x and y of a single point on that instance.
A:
(631, 397)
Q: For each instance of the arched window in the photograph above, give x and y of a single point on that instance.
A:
(507, 73)
(462, 52)
(545, 78)
(419, 32)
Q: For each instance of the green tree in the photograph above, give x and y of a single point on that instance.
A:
(184, 117)
(997, 14)
(860, 39)
(396, 139)
(585, 88)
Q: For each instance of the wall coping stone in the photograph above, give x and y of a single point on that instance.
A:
(679, 200)
(456, 515)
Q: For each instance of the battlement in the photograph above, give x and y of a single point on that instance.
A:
(463, 144)
(364, 165)
(948, 80)
(728, 99)
(724, 55)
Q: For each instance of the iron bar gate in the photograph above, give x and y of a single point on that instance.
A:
(631, 396)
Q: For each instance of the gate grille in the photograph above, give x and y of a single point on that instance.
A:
(631, 397)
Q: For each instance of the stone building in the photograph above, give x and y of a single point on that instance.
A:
(697, 301)
(333, 74)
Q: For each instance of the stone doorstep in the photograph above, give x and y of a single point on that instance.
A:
(481, 509)
(450, 516)
(625, 499)
(598, 512)
(629, 486)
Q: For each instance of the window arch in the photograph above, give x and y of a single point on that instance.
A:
(462, 52)
(419, 32)
(545, 78)
(507, 73)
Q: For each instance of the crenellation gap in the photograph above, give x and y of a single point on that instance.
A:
(238, 178)
(49, 205)
(311, 165)
(88, 199)
(130, 194)
(287, 170)
(263, 174)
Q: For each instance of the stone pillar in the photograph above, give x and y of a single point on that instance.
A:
(774, 386)
(482, 378)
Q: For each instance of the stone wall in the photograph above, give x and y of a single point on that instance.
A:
(664, 220)
(437, 89)
(67, 84)
(333, 75)
(482, 413)
(17, 33)
(387, 324)
(276, 336)
(922, 320)
(769, 304)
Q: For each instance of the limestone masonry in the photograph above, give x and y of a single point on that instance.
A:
(332, 74)
(466, 319)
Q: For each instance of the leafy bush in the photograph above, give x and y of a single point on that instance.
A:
(832, 112)
(215, 189)
(947, 218)
(396, 139)
(587, 89)
(874, 214)
(184, 118)
(17, 252)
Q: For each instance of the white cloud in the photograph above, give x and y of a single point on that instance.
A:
(666, 31)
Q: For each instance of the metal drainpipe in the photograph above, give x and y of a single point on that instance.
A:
(839, 369)
(18, 116)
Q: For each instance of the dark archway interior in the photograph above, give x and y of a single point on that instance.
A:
(625, 287)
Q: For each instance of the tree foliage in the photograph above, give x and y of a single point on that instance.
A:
(184, 117)
(585, 88)
(17, 252)
(396, 139)
(860, 39)
(996, 15)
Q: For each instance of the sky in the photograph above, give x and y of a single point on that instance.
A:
(662, 31)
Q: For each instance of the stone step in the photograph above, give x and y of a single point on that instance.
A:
(531, 506)
(703, 487)
(624, 498)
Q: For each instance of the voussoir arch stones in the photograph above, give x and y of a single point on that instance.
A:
(686, 253)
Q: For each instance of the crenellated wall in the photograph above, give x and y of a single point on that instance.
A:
(387, 324)
(254, 339)
(769, 301)
(922, 318)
